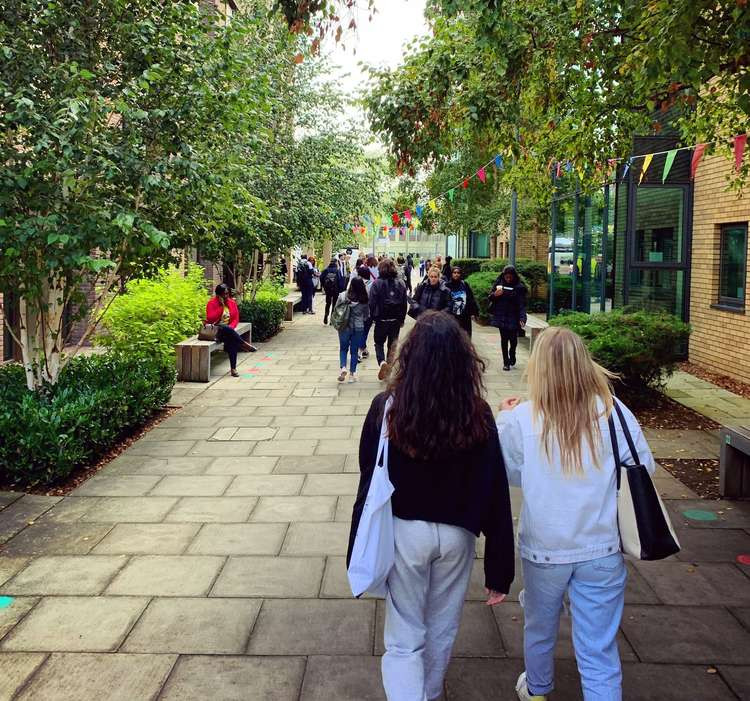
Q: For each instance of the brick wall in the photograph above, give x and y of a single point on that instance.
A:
(719, 341)
(532, 242)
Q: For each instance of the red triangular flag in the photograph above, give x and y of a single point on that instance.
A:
(481, 174)
(407, 215)
(395, 219)
(697, 155)
(739, 150)
(466, 183)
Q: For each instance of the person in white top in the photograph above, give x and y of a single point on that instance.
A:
(557, 448)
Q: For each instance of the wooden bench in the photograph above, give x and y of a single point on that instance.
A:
(534, 326)
(194, 356)
(734, 462)
(292, 300)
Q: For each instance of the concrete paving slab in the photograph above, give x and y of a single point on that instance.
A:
(509, 616)
(706, 545)
(682, 443)
(192, 486)
(65, 576)
(309, 464)
(637, 589)
(12, 614)
(313, 626)
(738, 680)
(698, 513)
(15, 669)
(355, 421)
(235, 679)
(242, 466)
(249, 433)
(174, 466)
(342, 677)
(69, 509)
(286, 447)
(335, 581)
(161, 449)
(331, 484)
(332, 433)
(73, 677)
(17, 515)
(195, 626)
(166, 575)
(130, 510)
(10, 566)
(316, 539)
(212, 509)
(75, 624)
(286, 509)
(228, 449)
(270, 577)
(7, 498)
(147, 539)
(182, 421)
(50, 538)
(239, 539)
(344, 508)
(117, 486)
(175, 434)
(701, 634)
(265, 485)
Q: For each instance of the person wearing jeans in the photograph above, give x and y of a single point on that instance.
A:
(222, 310)
(556, 448)
(352, 335)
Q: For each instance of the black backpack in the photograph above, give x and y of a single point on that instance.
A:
(394, 296)
(304, 273)
(331, 282)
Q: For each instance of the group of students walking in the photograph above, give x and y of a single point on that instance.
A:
(451, 465)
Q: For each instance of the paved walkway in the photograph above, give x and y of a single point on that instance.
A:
(717, 403)
(207, 562)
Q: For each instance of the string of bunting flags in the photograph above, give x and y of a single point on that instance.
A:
(405, 219)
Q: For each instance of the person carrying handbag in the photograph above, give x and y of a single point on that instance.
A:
(450, 485)
(222, 313)
(557, 448)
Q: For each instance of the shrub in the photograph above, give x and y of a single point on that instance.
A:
(96, 402)
(266, 313)
(468, 266)
(155, 314)
(494, 265)
(642, 347)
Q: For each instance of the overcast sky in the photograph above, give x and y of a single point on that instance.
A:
(395, 28)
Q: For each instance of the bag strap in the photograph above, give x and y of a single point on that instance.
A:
(381, 459)
(628, 437)
(615, 448)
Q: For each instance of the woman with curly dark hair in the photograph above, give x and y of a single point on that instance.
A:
(445, 464)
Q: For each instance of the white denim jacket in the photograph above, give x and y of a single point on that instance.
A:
(565, 518)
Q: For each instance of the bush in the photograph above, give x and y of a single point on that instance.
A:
(642, 347)
(96, 402)
(266, 314)
(468, 266)
(157, 313)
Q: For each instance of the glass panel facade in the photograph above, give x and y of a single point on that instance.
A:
(656, 289)
(733, 264)
(658, 225)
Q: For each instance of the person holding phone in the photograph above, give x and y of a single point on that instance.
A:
(508, 305)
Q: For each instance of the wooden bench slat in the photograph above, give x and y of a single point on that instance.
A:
(194, 356)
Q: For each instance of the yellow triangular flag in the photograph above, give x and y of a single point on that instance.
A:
(433, 205)
(646, 163)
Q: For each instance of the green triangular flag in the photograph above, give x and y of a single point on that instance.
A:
(668, 165)
(451, 194)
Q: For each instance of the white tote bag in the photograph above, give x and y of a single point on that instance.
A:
(374, 550)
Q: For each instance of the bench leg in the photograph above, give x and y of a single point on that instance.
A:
(203, 373)
(734, 473)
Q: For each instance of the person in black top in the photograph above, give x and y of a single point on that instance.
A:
(447, 469)
(508, 305)
(333, 284)
(388, 311)
(431, 293)
(463, 305)
(445, 273)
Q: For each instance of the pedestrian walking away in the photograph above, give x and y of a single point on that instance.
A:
(364, 273)
(408, 270)
(447, 269)
(305, 283)
(450, 485)
(388, 310)
(463, 305)
(507, 302)
(348, 318)
(222, 311)
(315, 282)
(431, 294)
(333, 284)
(557, 449)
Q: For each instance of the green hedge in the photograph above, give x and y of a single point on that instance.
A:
(532, 271)
(266, 314)
(642, 347)
(481, 285)
(155, 314)
(96, 402)
(468, 266)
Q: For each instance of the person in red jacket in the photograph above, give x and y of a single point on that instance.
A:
(222, 310)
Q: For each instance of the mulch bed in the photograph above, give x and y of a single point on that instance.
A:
(81, 474)
(702, 476)
(656, 410)
(727, 383)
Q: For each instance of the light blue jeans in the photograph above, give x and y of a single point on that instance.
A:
(596, 589)
(350, 341)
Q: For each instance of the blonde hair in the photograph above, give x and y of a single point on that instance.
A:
(434, 268)
(565, 386)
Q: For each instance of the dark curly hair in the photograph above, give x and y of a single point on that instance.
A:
(438, 361)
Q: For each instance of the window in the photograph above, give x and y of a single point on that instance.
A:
(732, 265)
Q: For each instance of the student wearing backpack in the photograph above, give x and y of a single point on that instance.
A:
(388, 311)
(333, 285)
(349, 317)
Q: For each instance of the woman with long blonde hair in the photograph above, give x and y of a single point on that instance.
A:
(557, 448)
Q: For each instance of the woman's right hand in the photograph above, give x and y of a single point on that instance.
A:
(509, 403)
(498, 292)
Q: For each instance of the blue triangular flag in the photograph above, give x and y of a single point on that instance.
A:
(419, 209)
(498, 161)
(627, 168)
(568, 166)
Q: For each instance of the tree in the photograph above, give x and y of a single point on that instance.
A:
(109, 112)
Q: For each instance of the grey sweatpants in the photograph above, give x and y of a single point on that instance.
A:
(426, 591)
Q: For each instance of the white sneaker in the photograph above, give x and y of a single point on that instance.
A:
(342, 375)
(352, 377)
(522, 690)
(384, 371)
